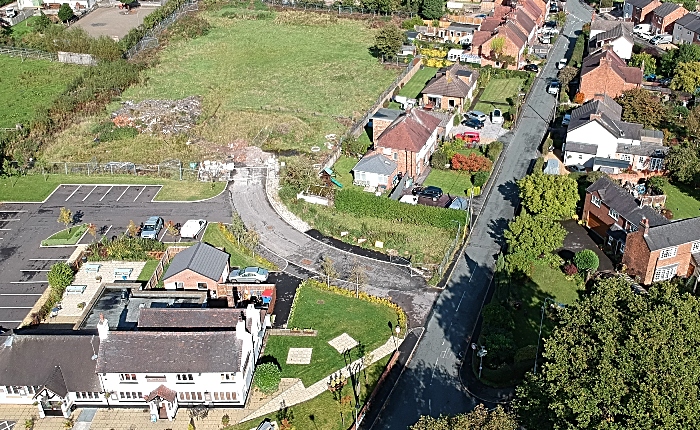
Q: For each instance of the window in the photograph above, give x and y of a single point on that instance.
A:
(227, 377)
(127, 377)
(622, 247)
(633, 227)
(580, 157)
(668, 253)
(201, 285)
(613, 214)
(395, 155)
(695, 247)
(625, 157)
(179, 285)
(183, 377)
(595, 200)
(665, 273)
(656, 164)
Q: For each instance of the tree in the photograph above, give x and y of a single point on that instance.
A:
(267, 377)
(328, 269)
(498, 44)
(65, 12)
(552, 196)
(579, 98)
(586, 260)
(65, 216)
(388, 41)
(640, 106)
(170, 229)
(686, 53)
(530, 238)
(299, 174)
(644, 61)
(132, 229)
(92, 230)
(566, 75)
(250, 240)
(42, 22)
(471, 163)
(478, 419)
(479, 179)
(618, 360)
(560, 18)
(690, 5)
(657, 184)
(432, 9)
(60, 276)
(358, 276)
(10, 170)
(692, 122)
(237, 227)
(682, 162)
(606, 3)
(687, 77)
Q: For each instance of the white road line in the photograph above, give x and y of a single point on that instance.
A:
(88, 195)
(11, 212)
(29, 282)
(122, 193)
(8, 220)
(140, 193)
(163, 235)
(5, 229)
(47, 259)
(34, 270)
(74, 191)
(16, 307)
(108, 229)
(110, 189)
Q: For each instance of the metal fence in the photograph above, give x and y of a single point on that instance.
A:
(26, 53)
(336, 8)
(150, 39)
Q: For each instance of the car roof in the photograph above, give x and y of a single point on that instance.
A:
(152, 219)
(478, 112)
(431, 187)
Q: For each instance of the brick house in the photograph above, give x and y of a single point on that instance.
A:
(410, 141)
(605, 72)
(639, 11)
(613, 212)
(375, 170)
(451, 89)
(199, 267)
(514, 45)
(663, 17)
(687, 29)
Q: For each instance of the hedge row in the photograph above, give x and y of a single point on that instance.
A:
(151, 20)
(362, 204)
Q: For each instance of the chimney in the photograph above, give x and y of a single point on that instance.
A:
(103, 328)
(644, 224)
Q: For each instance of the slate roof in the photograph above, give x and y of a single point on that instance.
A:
(458, 26)
(690, 22)
(609, 113)
(387, 114)
(646, 149)
(376, 163)
(673, 233)
(624, 203)
(200, 258)
(583, 148)
(60, 362)
(184, 318)
(601, 24)
(639, 3)
(621, 30)
(610, 162)
(409, 132)
(632, 75)
(666, 9)
(170, 352)
(604, 106)
(449, 84)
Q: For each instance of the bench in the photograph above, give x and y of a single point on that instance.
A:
(75, 289)
(125, 272)
(92, 267)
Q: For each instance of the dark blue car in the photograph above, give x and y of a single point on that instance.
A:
(473, 123)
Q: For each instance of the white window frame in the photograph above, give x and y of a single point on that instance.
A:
(668, 253)
(625, 157)
(665, 273)
(695, 247)
(596, 200)
(613, 214)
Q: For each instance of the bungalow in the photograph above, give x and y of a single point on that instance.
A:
(451, 88)
(687, 29)
(597, 138)
(605, 72)
(199, 267)
(458, 33)
(663, 17)
(375, 171)
(639, 11)
(613, 33)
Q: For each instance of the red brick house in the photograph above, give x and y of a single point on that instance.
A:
(639, 11)
(663, 17)
(604, 72)
(199, 267)
(514, 45)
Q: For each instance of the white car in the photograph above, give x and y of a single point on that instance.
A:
(249, 274)
(645, 36)
(192, 228)
(561, 64)
(410, 199)
(496, 117)
(476, 114)
(553, 88)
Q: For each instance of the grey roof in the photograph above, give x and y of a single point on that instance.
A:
(673, 233)
(449, 84)
(200, 258)
(184, 318)
(444, 117)
(551, 167)
(583, 148)
(652, 134)
(690, 21)
(624, 203)
(460, 26)
(376, 163)
(666, 9)
(582, 114)
(611, 162)
(601, 24)
(621, 30)
(387, 114)
(639, 3)
(170, 352)
(646, 149)
(60, 362)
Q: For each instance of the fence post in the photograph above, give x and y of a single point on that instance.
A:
(65, 165)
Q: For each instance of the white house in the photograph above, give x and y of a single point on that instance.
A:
(614, 33)
(375, 170)
(687, 29)
(596, 134)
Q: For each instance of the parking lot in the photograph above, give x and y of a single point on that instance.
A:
(112, 22)
(24, 263)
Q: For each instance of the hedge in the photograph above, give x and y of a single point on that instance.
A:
(363, 204)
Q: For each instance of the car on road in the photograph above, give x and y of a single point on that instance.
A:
(428, 192)
(496, 116)
(473, 123)
(469, 136)
(152, 227)
(561, 64)
(645, 36)
(476, 114)
(249, 274)
(566, 120)
(553, 87)
(192, 228)
(660, 39)
(531, 68)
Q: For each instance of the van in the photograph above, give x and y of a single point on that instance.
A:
(660, 39)
(642, 28)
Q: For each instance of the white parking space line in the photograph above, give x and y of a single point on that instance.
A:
(122, 194)
(28, 282)
(5, 229)
(165, 230)
(75, 191)
(137, 197)
(110, 189)
(33, 270)
(88, 195)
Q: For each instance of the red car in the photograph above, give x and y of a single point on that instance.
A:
(469, 137)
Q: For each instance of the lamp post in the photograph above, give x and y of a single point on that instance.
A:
(396, 343)
(539, 337)
(481, 353)
(391, 328)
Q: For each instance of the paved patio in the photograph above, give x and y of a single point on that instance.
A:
(343, 343)
(299, 355)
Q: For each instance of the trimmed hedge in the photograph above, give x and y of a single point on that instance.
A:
(362, 204)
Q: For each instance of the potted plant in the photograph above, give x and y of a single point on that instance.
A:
(81, 305)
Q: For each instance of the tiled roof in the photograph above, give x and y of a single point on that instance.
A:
(632, 75)
(605, 106)
(621, 30)
(480, 37)
(601, 24)
(190, 318)
(673, 233)
(532, 9)
(376, 163)
(490, 24)
(666, 9)
(448, 83)
(514, 34)
(690, 22)
(500, 11)
(409, 132)
(163, 392)
(524, 21)
(200, 258)
(639, 3)
(624, 203)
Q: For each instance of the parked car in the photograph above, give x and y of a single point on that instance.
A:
(660, 39)
(553, 9)
(531, 68)
(553, 87)
(428, 192)
(192, 228)
(576, 168)
(249, 274)
(641, 28)
(476, 114)
(152, 227)
(473, 123)
(410, 199)
(561, 64)
(650, 77)
(497, 116)
(664, 81)
(566, 120)
(469, 136)
(645, 36)
(550, 24)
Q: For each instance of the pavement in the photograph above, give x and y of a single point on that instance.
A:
(112, 21)
(431, 383)
(489, 133)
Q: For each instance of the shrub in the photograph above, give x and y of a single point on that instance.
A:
(124, 248)
(479, 179)
(299, 174)
(657, 184)
(579, 98)
(107, 132)
(500, 346)
(409, 24)
(496, 317)
(190, 27)
(526, 353)
(570, 269)
(438, 160)
(60, 275)
(586, 260)
(493, 150)
(471, 163)
(267, 377)
(355, 147)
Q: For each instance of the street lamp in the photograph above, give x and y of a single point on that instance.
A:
(539, 337)
(482, 352)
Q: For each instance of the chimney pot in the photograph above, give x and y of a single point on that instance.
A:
(644, 223)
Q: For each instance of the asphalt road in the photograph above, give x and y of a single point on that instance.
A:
(23, 263)
(430, 384)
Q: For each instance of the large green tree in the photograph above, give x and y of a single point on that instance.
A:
(552, 196)
(686, 53)
(683, 163)
(478, 419)
(619, 360)
(644, 59)
(65, 12)
(388, 41)
(640, 106)
(432, 9)
(531, 238)
(687, 77)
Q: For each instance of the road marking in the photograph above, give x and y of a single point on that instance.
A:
(165, 230)
(122, 194)
(23, 294)
(460, 301)
(28, 282)
(108, 229)
(5, 229)
(33, 270)
(16, 307)
(140, 193)
(46, 259)
(110, 189)
(8, 220)
(74, 191)
(11, 212)
(88, 195)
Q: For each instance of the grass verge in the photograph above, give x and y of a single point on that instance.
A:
(148, 270)
(682, 201)
(452, 182)
(239, 256)
(68, 236)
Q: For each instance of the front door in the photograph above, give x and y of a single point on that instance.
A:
(52, 409)
(162, 412)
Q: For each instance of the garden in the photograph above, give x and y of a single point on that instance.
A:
(237, 241)
(415, 85)
(457, 169)
(67, 236)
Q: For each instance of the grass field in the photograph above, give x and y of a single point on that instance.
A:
(331, 315)
(415, 85)
(497, 93)
(454, 183)
(682, 201)
(213, 236)
(68, 236)
(35, 188)
(29, 85)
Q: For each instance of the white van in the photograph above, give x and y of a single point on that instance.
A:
(661, 38)
(642, 28)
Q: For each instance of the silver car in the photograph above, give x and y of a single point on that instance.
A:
(477, 115)
(152, 227)
(249, 274)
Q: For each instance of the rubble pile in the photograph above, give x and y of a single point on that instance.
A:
(160, 116)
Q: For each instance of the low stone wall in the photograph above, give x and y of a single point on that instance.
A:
(290, 332)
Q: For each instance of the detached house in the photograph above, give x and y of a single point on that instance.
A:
(687, 29)
(663, 17)
(639, 11)
(616, 34)
(376, 171)
(199, 267)
(451, 89)
(598, 139)
(514, 43)
(605, 72)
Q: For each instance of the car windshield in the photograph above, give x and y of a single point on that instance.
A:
(149, 227)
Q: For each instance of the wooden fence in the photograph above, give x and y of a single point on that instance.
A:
(160, 268)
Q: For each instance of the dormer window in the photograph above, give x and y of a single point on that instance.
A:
(613, 214)
(695, 247)
(668, 252)
(595, 200)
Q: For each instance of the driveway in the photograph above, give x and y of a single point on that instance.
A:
(489, 133)
(579, 238)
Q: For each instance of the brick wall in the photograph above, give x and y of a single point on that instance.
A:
(509, 48)
(378, 126)
(600, 212)
(605, 78)
(644, 14)
(190, 280)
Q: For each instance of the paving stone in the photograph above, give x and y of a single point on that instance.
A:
(343, 343)
(299, 355)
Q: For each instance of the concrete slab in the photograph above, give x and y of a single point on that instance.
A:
(343, 343)
(112, 22)
(299, 356)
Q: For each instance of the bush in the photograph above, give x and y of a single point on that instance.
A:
(657, 184)
(579, 98)
(479, 179)
(570, 269)
(107, 132)
(439, 160)
(124, 248)
(60, 275)
(267, 377)
(190, 27)
(497, 318)
(500, 346)
(471, 163)
(586, 260)
(355, 147)
(526, 353)
(409, 24)
(493, 150)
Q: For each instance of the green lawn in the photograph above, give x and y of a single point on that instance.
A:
(24, 27)
(342, 168)
(682, 201)
(35, 188)
(26, 86)
(331, 315)
(68, 236)
(213, 236)
(148, 270)
(497, 93)
(454, 183)
(415, 85)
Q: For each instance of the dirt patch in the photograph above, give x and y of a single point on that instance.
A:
(160, 116)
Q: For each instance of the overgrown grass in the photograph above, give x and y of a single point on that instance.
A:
(452, 182)
(148, 270)
(215, 237)
(27, 86)
(682, 200)
(35, 188)
(331, 315)
(68, 236)
(24, 27)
